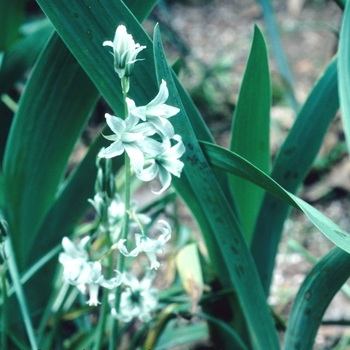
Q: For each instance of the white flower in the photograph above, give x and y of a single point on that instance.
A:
(157, 112)
(125, 51)
(165, 163)
(138, 299)
(75, 262)
(96, 279)
(148, 245)
(131, 137)
(78, 271)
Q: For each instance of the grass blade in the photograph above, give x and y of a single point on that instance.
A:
(225, 239)
(228, 161)
(250, 131)
(34, 163)
(11, 17)
(279, 52)
(313, 298)
(291, 166)
(344, 71)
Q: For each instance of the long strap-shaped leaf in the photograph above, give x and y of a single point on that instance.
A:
(228, 161)
(49, 120)
(344, 71)
(250, 131)
(231, 253)
(291, 166)
(71, 201)
(313, 298)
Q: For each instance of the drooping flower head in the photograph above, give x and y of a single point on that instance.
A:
(148, 245)
(165, 164)
(131, 136)
(157, 112)
(125, 51)
(80, 272)
(138, 299)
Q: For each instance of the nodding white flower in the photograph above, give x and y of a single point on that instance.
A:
(157, 112)
(148, 245)
(78, 271)
(95, 280)
(138, 299)
(75, 262)
(131, 137)
(165, 164)
(125, 51)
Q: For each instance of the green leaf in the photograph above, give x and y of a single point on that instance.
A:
(279, 52)
(172, 337)
(344, 71)
(228, 161)
(49, 120)
(313, 298)
(22, 55)
(291, 166)
(11, 17)
(225, 239)
(250, 131)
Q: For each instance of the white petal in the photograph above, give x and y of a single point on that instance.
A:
(165, 180)
(136, 156)
(173, 166)
(113, 150)
(139, 112)
(153, 260)
(108, 43)
(116, 124)
(149, 173)
(93, 291)
(161, 97)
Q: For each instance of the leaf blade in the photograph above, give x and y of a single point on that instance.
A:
(250, 131)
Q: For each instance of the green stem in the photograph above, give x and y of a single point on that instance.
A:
(121, 257)
(20, 294)
(104, 308)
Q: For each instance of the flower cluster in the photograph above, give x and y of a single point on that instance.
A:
(133, 135)
(147, 138)
(79, 271)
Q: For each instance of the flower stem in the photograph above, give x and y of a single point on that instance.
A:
(104, 308)
(121, 257)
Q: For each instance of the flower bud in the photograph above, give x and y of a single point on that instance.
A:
(125, 51)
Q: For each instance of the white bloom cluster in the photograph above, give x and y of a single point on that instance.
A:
(79, 271)
(149, 140)
(132, 135)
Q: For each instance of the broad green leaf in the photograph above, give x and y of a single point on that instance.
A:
(22, 55)
(228, 161)
(227, 249)
(251, 130)
(344, 71)
(291, 166)
(52, 111)
(11, 17)
(175, 337)
(17, 60)
(232, 337)
(313, 298)
(71, 200)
